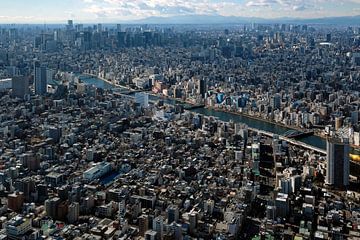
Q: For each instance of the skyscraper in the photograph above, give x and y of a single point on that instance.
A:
(276, 101)
(202, 87)
(337, 170)
(118, 27)
(172, 214)
(20, 86)
(70, 25)
(143, 224)
(158, 227)
(193, 222)
(73, 212)
(40, 78)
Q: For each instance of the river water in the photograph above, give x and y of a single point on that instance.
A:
(224, 116)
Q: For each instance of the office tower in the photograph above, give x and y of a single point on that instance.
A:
(337, 169)
(118, 27)
(276, 101)
(40, 78)
(56, 36)
(42, 192)
(238, 156)
(338, 123)
(50, 73)
(175, 229)
(79, 27)
(142, 99)
(177, 92)
(30, 161)
(270, 212)
(328, 37)
(26, 186)
(20, 86)
(356, 58)
(158, 227)
(62, 211)
(15, 201)
(121, 39)
(122, 208)
(172, 214)
(244, 133)
(55, 133)
(37, 42)
(193, 220)
(295, 183)
(202, 87)
(282, 205)
(285, 185)
(255, 155)
(63, 192)
(70, 25)
(51, 207)
(73, 212)
(150, 235)
(354, 117)
(356, 138)
(143, 224)
(209, 206)
(99, 27)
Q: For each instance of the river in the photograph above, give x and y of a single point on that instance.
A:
(224, 116)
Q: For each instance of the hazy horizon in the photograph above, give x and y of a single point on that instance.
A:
(111, 11)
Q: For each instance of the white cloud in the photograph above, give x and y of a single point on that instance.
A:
(145, 8)
(261, 3)
(126, 9)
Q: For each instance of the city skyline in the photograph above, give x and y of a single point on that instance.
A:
(110, 11)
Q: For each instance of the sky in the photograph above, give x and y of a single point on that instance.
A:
(112, 11)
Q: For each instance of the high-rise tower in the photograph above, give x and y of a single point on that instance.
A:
(40, 78)
(337, 170)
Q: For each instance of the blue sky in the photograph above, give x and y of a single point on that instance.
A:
(82, 11)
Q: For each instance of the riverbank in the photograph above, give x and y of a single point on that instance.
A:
(317, 140)
(317, 134)
(108, 81)
(290, 127)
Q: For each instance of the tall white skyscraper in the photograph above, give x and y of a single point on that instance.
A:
(337, 169)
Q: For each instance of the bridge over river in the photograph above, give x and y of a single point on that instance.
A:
(306, 140)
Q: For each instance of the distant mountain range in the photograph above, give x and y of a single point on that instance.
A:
(218, 19)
